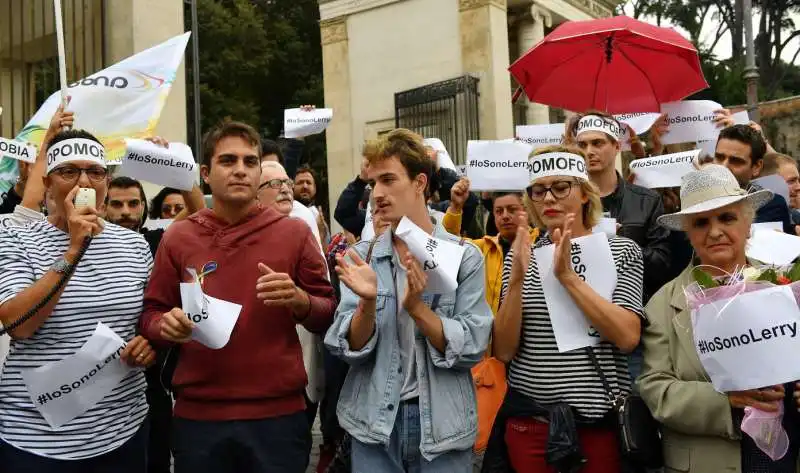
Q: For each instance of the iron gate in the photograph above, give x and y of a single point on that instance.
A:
(447, 110)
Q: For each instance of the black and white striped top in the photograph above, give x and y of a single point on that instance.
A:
(108, 286)
(540, 371)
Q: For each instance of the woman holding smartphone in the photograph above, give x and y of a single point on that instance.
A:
(105, 268)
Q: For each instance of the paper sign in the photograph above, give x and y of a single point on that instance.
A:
(440, 259)
(368, 232)
(774, 183)
(594, 263)
(298, 123)
(214, 318)
(158, 223)
(539, 136)
(498, 165)
(772, 226)
(664, 171)
(690, 121)
(741, 118)
(461, 170)
(745, 342)
(773, 247)
(442, 156)
(639, 122)
(17, 150)
(607, 225)
(708, 149)
(63, 390)
(169, 167)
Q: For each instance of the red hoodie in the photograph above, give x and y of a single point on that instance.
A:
(259, 373)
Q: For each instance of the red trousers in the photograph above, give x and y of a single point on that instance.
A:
(526, 440)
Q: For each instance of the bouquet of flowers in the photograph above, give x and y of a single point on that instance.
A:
(765, 428)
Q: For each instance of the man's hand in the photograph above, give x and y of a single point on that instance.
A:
(359, 277)
(138, 353)
(723, 118)
(279, 290)
(761, 399)
(176, 327)
(458, 194)
(61, 119)
(363, 175)
(158, 141)
(81, 224)
(657, 131)
(416, 280)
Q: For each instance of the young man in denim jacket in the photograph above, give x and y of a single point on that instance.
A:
(408, 401)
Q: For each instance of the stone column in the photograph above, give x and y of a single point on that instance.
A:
(529, 32)
(342, 164)
(484, 53)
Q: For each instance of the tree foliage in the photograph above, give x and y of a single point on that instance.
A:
(708, 21)
(257, 58)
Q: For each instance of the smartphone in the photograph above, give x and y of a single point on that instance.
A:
(86, 197)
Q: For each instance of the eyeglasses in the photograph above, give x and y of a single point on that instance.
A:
(559, 190)
(72, 173)
(276, 183)
(166, 208)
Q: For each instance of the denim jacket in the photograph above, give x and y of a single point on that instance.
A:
(370, 397)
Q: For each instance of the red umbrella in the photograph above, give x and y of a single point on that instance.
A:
(618, 65)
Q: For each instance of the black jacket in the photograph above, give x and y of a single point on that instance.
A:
(636, 209)
(776, 210)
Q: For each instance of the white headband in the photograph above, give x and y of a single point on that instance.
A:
(76, 149)
(605, 125)
(557, 164)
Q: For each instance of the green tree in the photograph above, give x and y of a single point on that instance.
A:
(257, 58)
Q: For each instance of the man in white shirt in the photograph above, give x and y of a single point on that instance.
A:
(275, 189)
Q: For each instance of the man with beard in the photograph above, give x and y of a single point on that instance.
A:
(305, 191)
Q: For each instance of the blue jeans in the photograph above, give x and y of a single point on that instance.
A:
(131, 457)
(402, 455)
(274, 445)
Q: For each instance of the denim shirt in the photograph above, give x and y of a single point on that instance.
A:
(370, 397)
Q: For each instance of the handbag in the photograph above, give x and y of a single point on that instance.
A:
(638, 432)
(489, 376)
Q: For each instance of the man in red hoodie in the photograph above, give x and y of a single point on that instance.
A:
(240, 408)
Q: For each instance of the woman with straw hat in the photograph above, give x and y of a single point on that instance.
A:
(700, 426)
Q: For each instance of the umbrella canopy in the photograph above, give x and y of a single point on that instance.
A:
(617, 65)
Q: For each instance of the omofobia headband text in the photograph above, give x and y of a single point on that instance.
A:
(557, 164)
(605, 125)
(76, 149)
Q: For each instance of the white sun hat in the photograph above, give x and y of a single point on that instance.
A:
(711, 187)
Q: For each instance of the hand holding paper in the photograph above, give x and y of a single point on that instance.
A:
(301, 122)
(440, 258)
(761, 399)
(359, 277)
(176, 327)
(416, 280)
(138, 353)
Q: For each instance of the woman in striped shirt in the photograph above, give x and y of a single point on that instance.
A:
(106, 285)
(541, 378)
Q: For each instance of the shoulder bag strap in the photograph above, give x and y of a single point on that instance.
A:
(606, 385)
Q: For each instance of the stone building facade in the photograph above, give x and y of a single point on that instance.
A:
(439, 67)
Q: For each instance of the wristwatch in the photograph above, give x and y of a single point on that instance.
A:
(61, 266)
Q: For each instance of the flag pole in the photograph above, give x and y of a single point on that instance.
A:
(62, 57)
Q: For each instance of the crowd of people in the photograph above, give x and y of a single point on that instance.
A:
(343, 327)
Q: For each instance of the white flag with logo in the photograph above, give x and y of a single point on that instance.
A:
(121, 101)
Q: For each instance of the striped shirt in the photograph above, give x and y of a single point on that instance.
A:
(540, 371)
(108, 286)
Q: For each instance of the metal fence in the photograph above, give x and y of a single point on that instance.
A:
(447, 110)
(28, 53)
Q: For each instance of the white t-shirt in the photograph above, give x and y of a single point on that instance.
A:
(311, 343)
(107, 286)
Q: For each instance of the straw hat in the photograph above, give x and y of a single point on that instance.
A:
(711, 187)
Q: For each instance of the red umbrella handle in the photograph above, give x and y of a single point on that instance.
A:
(517, 93)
